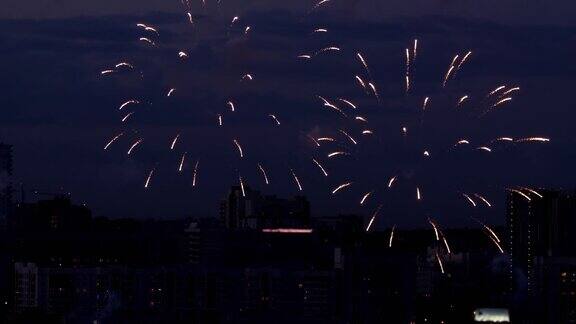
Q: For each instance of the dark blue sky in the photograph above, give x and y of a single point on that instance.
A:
(59, 112)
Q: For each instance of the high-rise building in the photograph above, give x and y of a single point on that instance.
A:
(25, 286)
(540, 224)
(247, 208)
(240, 208)
(5, 181)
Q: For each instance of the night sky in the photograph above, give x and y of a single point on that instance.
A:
(59, 111)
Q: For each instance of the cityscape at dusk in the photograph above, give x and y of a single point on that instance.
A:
(320, 161)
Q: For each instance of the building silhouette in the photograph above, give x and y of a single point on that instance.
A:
(5, 182)
(542, 251)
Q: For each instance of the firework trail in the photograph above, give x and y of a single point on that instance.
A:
(391, 236)
(195, 173)
(112, 141)
(181, 166)
(242, 187)
(263, 173)
(149, 178)
(488, 204)
(425, 103)
(449, 72)
(472, 202)
(464, 59)
(170, 92)
(239, 148)
(363, 61)
(360, 82)
(349, 137)
(366, 196)
(174, 142)
(440, 263)
(435, 229)
(231, 105)
(134, 146)
(129, 102)
(296, 180)
(520, 193)
(125, 118)
(333, 154)
(325, 139)
(446, 244)
(320, 167)
(391, 181)
(373, 218)
(147, 40)
(275, 119)
(342, 186)
(418, 195)
(348, 102)
(461, 100)
(317, 5)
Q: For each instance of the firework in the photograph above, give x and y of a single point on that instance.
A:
(520, 193)
(325, 139)
(373, 218)
(348, 102)
(449, 72)
(112, 141)
(391, 181)
(333, 154)
(320, 30)
(296, 180)
(127, 116)
(418, 195)
(239, 147)
(461, 100)
(331, 105)
(231, 105)
(181, 166)
(263, 173)
(493, 92)
(435, 229)
(363, 61)
(174, 141)
(134, 146)
(149, 178)
(485, 148)
(320, 167)
(147, 40)
(483, 199)
(464, 59)
(275, 119)
(342, 186)
(349, 137)
(195, 173)
(440, 263)
(446, 244)
(360, 81)
(247, 76)
(391, 236)
(129, 102)
(425, 103)
(360, 118)
(534, 139)
(366, 196)
(124, 64)
(170, 92)
(501, 101)
(242, 186)
(472, 202)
